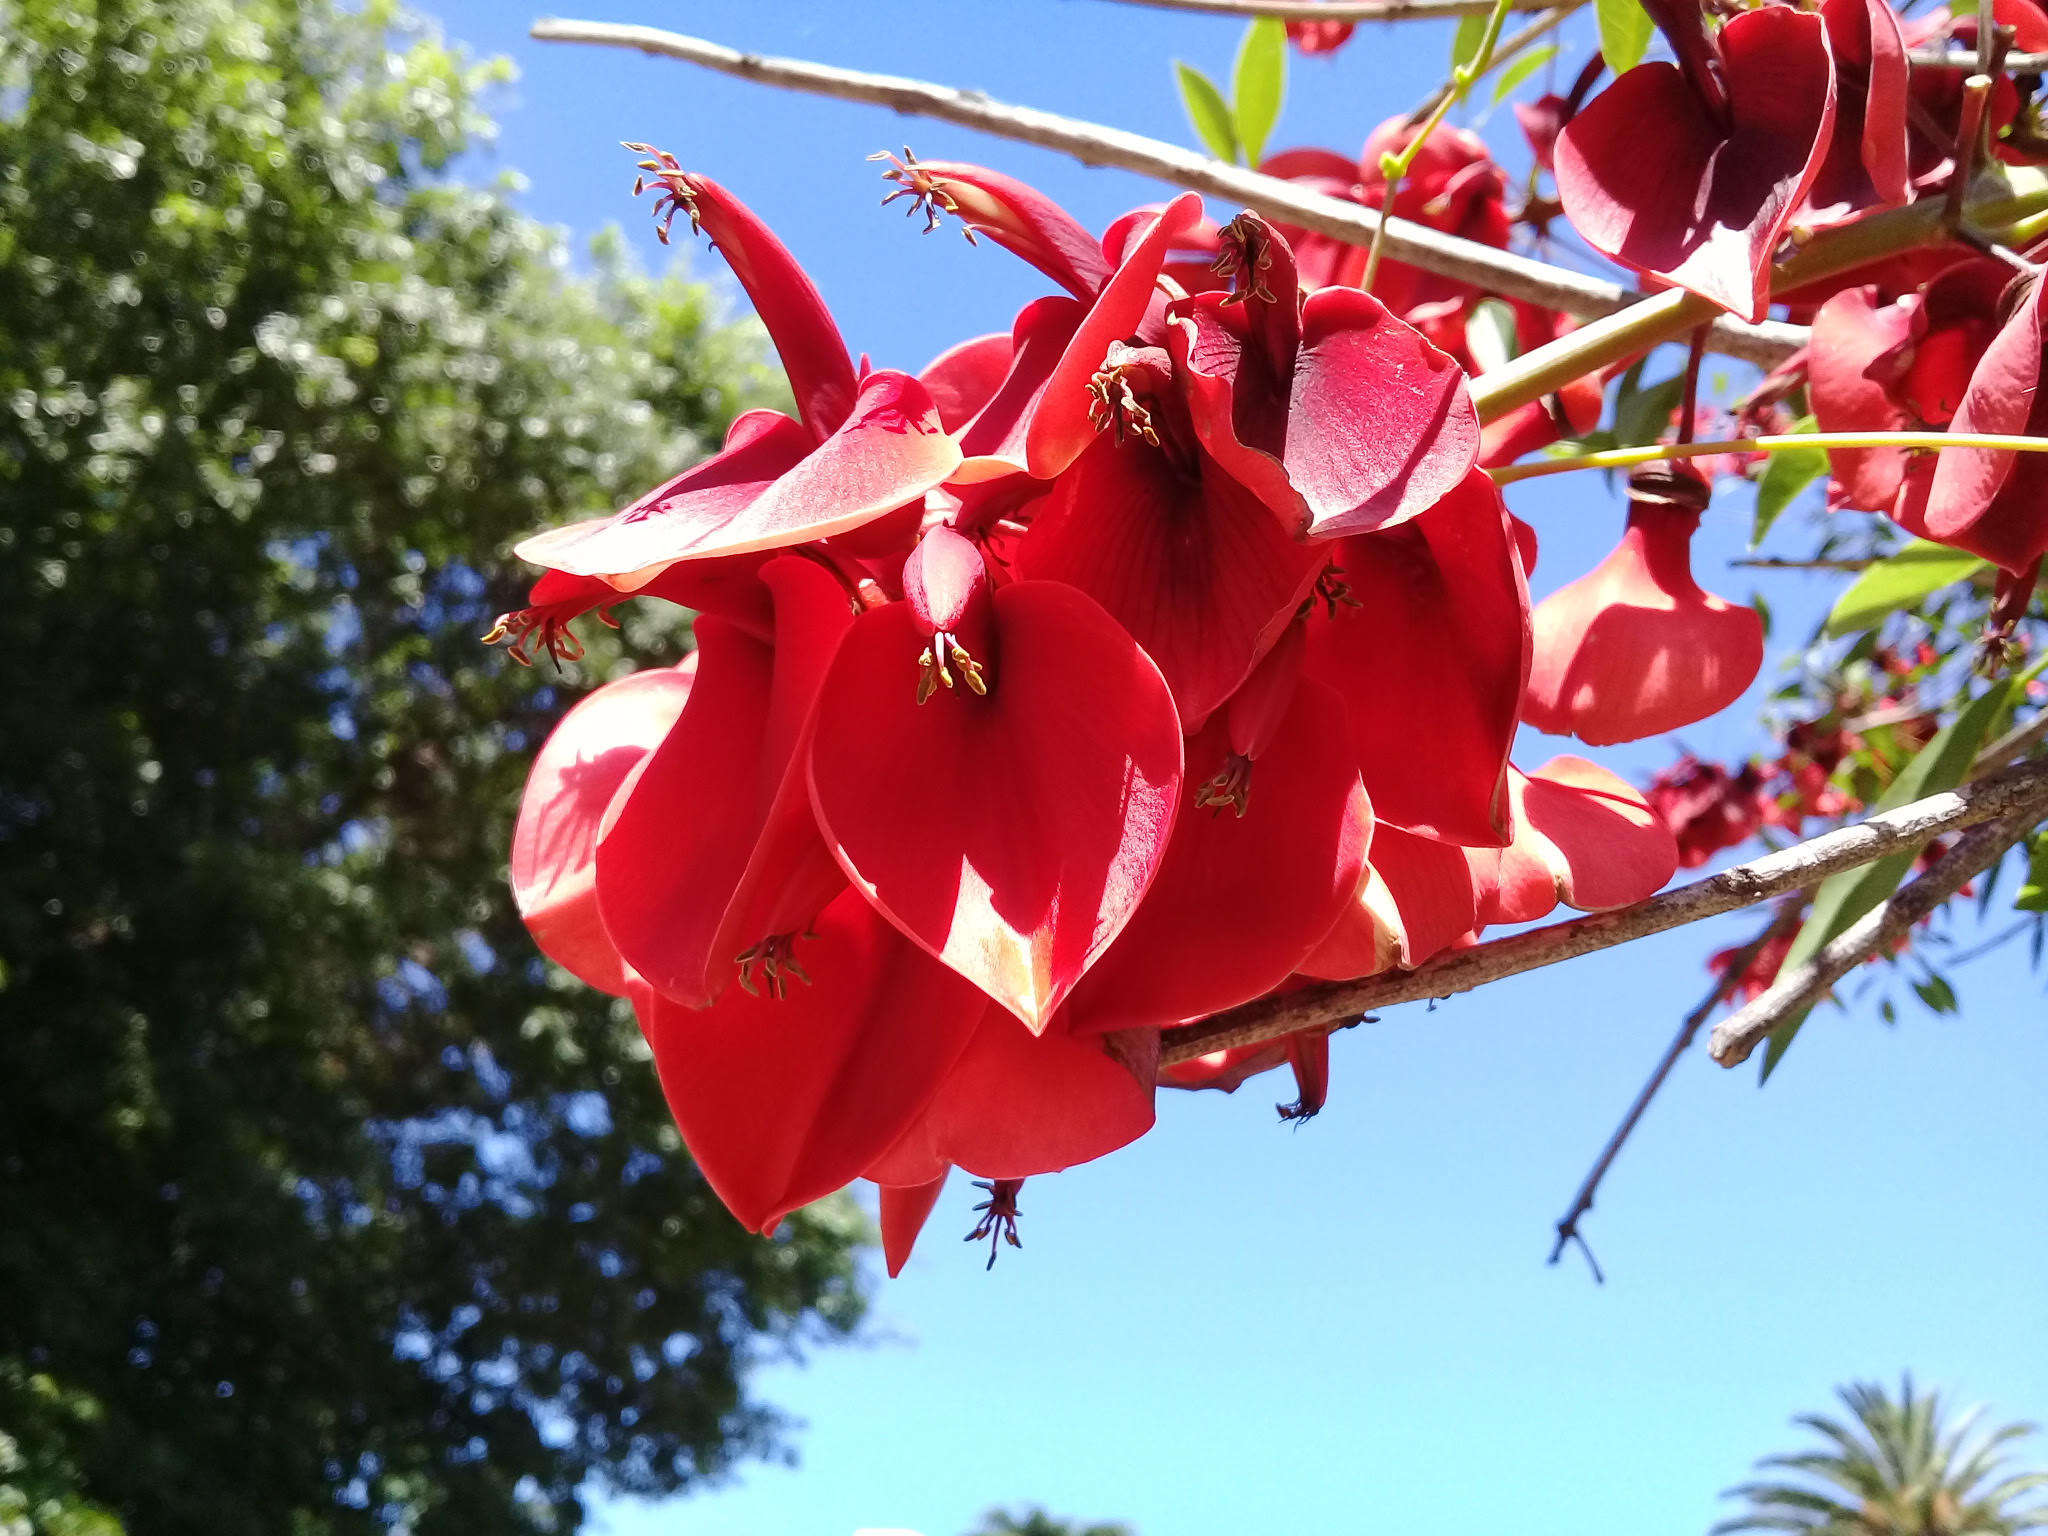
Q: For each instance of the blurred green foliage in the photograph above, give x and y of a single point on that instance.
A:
(1036, 1522)
(325, 1206)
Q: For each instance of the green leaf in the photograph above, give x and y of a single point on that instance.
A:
(1624, 32)
(1521, 70)
(1208, 111)
(1936, 993)
(1787, 473)
(1258, 83)
(1490, 334)
(1465, 45)
(1843, 898)
(2033, 896)
(1641, 414)
(1899, 581)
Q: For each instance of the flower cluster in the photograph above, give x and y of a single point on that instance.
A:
(1104, 675)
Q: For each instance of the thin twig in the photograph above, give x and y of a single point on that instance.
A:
(1797, 990)
(1513, 46)
(1496, 271)
(1340, 10)
(2011, 747)
(1779, 563)
(1724, 983)
(1778, 442)
(1744, 885)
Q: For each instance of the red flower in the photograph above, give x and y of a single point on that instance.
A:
(1692, 171)
(1634, 647)
(1865, 163)
(1313, 37)
(1708, 808)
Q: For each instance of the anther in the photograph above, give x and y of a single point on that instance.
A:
(927, 193)
(938, 662)
(1332, 591)
(1231, 786)
(769, 965)
(677, 196)
(1244, 254)
(999, 1219)
(1112, 403)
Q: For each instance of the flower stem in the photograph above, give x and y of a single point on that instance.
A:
(1624, 458)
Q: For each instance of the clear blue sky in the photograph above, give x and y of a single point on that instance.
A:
(1236, 1328)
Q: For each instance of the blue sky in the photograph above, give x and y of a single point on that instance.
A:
(1235, 1327)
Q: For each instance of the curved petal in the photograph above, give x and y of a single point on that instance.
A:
(964, 378)
(1989, 503)
(783, 1100)
(993, 442)
(1240, 899)
(1420, 897)
(1017, 216)
(1851, 332)
(1011, 835)
(905, 1209)
(807, 340)
(1865, 163)
(1191, 563)
(1583, 836)
(1432, 643)
(576, 775)
(715, 850)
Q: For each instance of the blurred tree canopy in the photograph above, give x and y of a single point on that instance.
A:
(325, 1206)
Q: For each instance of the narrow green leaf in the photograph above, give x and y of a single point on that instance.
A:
(1465, 45)
(1785, 475)
(1208, 111)
(1641, 414)
(1258, 84)
(1624, 32)
(1490, 334)
(2033, 896)
(1521, 70)
(1898, 582)
(1844, 898)
(1936, 993)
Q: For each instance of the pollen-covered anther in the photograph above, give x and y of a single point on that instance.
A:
(677, 195)
(1114, 405)
(999, 1215)
(1231, 786)
(531, 629)
(769, 966)
(1244, 255)
(927, 193)
(938, 662)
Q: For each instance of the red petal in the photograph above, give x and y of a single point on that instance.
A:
(1018, 1104)
(715, 849)
(782, 1101)
(905, 1209)
(1060, 426)
(1192, 564)
(642, 538)
(1012, 835)
(813, 353)
(576, 775)
(1225, 1070)
(1651, 178)
(1851, 332)
(964, 378)
(1865, 164)
(1437, 650)
(1418, 899)
(1380, 424)
(1038, 340)
(1021, 219)
(1240, 900)
(1634, 648)
(1582, 836)
(1990, 503)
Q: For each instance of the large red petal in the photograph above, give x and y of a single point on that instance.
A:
(1021, 219)
(964, 378)
(1851, 332)
(1583, 836)
(1189, 561)
(1017, 1104)
(1240, 900)
(576, 775)
(1012, 835)
(905, 1209)
(1420, 897)
(1990, 503)
(715, 849)
(1651, 178)
(1433, 646)
(1380, 423)
(1865, 164)
(783, 1100)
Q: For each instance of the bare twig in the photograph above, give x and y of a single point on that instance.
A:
(2011, 747)
(1791, 869)
(1724, 983)
(1497, 271)
(1513, 46)
(1339, 10)
(1797, 990)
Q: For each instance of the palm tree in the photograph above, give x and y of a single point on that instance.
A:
(1896, 1470)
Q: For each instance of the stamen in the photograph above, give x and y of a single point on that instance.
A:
(1231, 786)
(769, 965)
(927, 193)
(1244, 254)
(1112, 403)
(1332, 591)
(999, 1224)
(677, 196)
(934, 671)
(545, 628)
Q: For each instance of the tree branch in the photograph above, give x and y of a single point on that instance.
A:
(1323, 1004)
(1799, 989)
(1497, 271)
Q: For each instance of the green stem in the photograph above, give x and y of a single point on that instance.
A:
(1394, 167)
(1649, 453)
